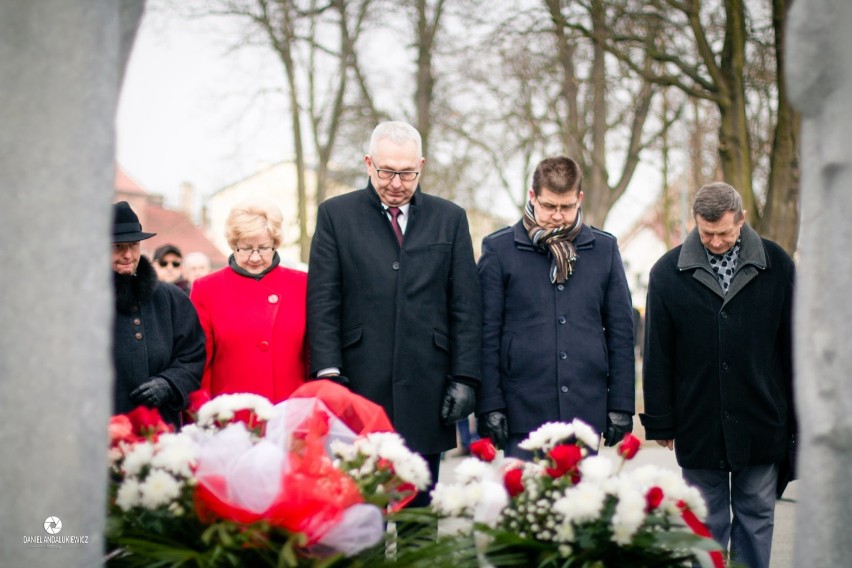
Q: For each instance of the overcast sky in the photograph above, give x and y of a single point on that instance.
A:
(193, 111)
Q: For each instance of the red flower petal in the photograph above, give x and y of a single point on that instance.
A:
(512, 481)
(484, 449)
(653, 498)
(629, 446)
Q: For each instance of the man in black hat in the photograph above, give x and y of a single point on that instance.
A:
(158, 346)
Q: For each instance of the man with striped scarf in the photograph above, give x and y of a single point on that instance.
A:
(557, 338)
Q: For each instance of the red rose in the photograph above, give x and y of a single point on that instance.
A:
(653, 498)
(565, 458)
(147, 421)
(512, 481)
(484, 449)
(384, 464)
(629, 446)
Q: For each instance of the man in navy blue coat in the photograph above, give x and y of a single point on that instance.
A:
(557, 339)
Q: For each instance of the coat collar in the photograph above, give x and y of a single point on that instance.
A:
(693, 255)
(522, 239)
(752, 259)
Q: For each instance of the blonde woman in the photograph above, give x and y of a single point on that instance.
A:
(253, 311)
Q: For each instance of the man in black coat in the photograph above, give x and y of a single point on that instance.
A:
(718, 369)
(158, 343)
(557, 339)
(393, 299)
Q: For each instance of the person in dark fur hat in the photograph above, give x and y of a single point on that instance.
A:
(158, 346)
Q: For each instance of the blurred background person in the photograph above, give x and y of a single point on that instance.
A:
(195, 265)
(253, 311)
(167, 263)
(158, 344)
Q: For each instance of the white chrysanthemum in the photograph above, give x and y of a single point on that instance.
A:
(581, 503)
(343, 450)
(175, 453)
(628, 517)
(547, 436)
(128, 494)
(158, 489)
(586, 433)
(492, 500)
(473, 470)
(223, 407)
(564, 532)
(596, 469)
(137, 457)
(450, 499)
(414, 470)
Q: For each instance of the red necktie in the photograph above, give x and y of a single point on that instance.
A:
(394, 213)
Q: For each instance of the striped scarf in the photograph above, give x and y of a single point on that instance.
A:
(558, 241)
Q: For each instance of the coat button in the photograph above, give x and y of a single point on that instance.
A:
(560, 287)
(273, 298)
(724, 315)
(563, 355)
(137, 321)
(263, 346)
(563, 389)
(563, 320)
(137, 335)
(395, 265)
(725, 366)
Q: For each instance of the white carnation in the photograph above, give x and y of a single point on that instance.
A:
(128, 494)
(581, 503)
(158, 489)
(137, 457)
(596, 469)
(628, 517)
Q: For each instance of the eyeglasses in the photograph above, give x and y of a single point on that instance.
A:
(551, 208)
(248, 251)
(165, 263)
(403, 176)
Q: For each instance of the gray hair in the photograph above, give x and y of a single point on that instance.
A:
(397, 132)
(715, 199)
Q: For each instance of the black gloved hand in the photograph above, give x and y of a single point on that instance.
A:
(494, 425)
(459, 401)
(153, 394)
(618, 424)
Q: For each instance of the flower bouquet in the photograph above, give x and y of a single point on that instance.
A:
(306, 482)
(568, 507)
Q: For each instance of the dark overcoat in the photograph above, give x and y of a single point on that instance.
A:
(718, 367)
(156, 334)
(396, 320)
(555, 352)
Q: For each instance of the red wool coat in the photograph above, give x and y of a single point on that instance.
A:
(255, 332)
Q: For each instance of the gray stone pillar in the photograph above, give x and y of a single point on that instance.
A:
(61, 65)
(819, 74)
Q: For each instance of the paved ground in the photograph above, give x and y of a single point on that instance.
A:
(782, 541)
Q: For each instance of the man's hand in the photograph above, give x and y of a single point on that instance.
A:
(495, 426)
(459, 401)
(666, 443)
(153, 394)
(618, 424)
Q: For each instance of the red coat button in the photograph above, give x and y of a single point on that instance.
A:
(263, 346)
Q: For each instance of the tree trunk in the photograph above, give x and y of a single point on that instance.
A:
(780, 220)
(734, 139)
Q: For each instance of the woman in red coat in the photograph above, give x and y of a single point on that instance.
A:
(253, 311)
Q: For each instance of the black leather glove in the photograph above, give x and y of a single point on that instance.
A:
(459, 401)
(618, 424)
(153, 394)
(494, 425)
